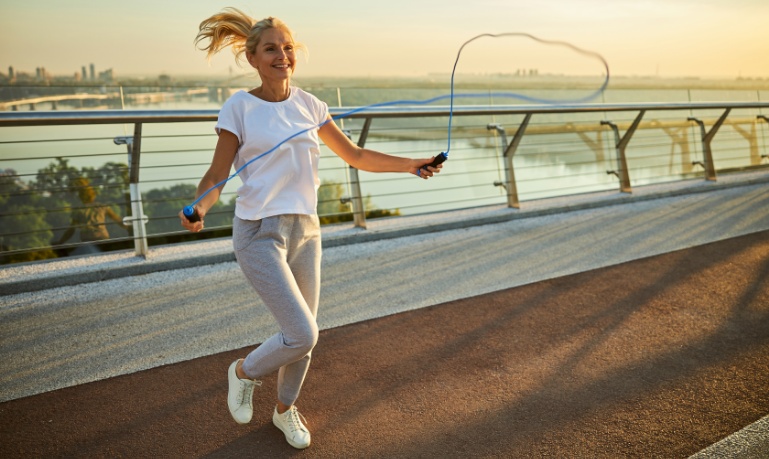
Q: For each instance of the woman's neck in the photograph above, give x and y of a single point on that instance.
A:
(277, 92)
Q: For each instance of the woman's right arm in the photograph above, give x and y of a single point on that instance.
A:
(224, 155)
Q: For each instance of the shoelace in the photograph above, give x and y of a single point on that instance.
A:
(294, 421)
(247, 390)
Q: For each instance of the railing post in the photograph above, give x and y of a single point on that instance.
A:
(137, 218)
(680, 136)
(707, 138)
(620, 144)
(508, 155)
(763, 117)
(358, 211)
(752, 139)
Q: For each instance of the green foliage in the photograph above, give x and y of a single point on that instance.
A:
(162, 206)
(59, 183)
(36, 214)
(24, 225)
(332, 210)
(32, 233)
(33, 215)
(330, 207)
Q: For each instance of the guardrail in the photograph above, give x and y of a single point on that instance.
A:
(554, 136)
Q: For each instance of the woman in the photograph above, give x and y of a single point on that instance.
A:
(276, 233)
(90, 219)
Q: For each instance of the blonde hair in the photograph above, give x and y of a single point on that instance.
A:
(85, 191)
(236, 29)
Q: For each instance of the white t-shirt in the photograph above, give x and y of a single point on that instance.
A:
(284, 181)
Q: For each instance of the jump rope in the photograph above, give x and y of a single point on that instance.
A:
(191, 213)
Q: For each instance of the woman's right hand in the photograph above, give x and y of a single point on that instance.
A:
(195, 227)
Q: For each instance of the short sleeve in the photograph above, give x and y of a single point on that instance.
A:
(317, 109)
(322, 111)
(231, 117)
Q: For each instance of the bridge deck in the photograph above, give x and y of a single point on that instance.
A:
(637, 329)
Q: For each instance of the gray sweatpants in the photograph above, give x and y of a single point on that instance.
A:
(280, 256)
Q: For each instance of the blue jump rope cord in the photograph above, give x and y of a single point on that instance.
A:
(450, 96)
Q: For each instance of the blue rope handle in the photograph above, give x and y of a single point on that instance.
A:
(190, 210)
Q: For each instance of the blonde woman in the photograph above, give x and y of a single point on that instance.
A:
(276, 233)
(90, 219)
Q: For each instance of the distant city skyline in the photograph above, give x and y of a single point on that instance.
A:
(665, 38)
(89, 73)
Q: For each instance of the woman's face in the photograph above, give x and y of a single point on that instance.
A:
(87, 195)
(275, 56)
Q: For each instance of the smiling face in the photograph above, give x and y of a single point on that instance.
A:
(275, 55)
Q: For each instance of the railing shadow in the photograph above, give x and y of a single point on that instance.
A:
(547, 341)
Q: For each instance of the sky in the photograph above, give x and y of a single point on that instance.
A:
(665, 38)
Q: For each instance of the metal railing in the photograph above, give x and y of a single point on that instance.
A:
(679, 142)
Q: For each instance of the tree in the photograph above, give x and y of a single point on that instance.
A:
(35, 214)
(330, 207)
(162, 206)
(22, 220)
(332, 210)
(57, 182)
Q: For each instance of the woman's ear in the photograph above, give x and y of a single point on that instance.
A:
(251, 58)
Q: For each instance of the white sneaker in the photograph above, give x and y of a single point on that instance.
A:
(291, 424)
(240, 395)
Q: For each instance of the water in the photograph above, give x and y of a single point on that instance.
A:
(545, 164)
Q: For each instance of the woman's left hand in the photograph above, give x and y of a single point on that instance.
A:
(194, 227)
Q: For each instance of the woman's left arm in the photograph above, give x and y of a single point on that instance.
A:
(370, 160)
(111, 214)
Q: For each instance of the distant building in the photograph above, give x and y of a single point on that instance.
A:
(93, 72)
(41, 74)
(84, 73)
(11, 75)
(107, 76)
